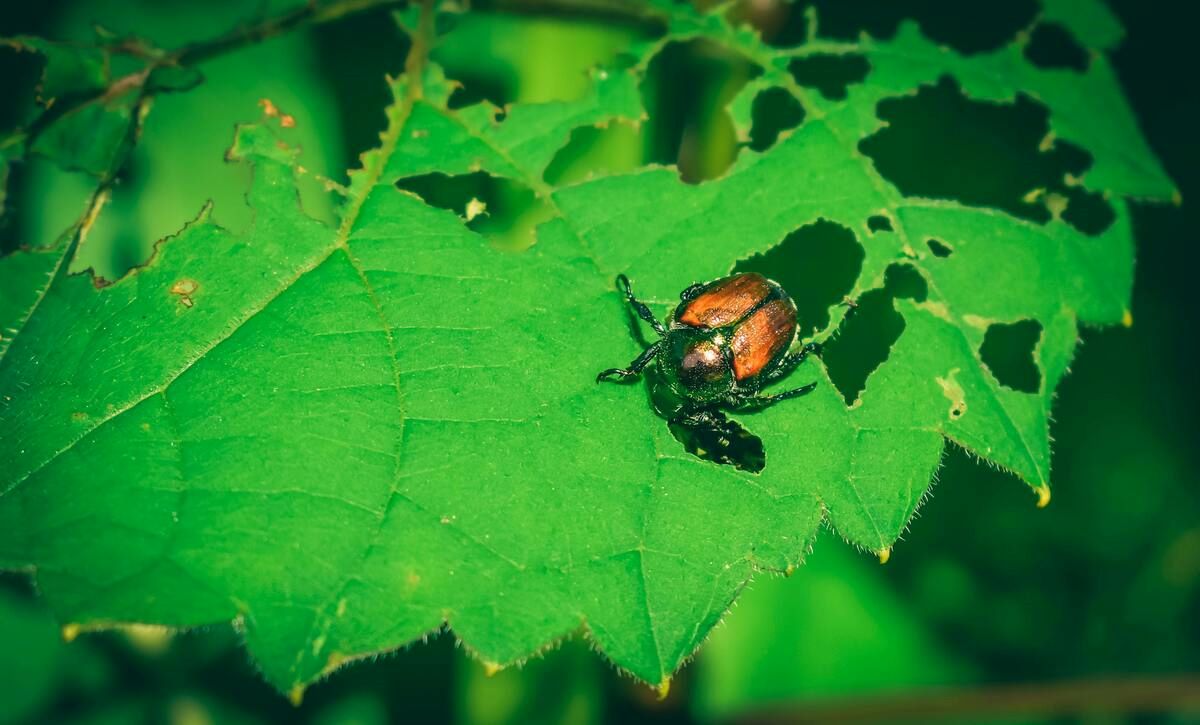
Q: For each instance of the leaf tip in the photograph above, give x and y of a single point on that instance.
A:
(1043, 494)
(1127, 319)
(296, 695)
(884, 554)
(663, 688)
(70, 632)
(491, 668)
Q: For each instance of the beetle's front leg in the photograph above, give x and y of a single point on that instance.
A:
(751, 403)
(635, 367)
(638, 306)
(791, 361)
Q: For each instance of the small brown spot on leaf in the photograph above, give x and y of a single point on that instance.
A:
(185, 288)
(269, 108)
(287, 121)
(79, 417)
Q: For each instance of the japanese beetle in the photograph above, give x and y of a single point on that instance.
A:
(726, 341)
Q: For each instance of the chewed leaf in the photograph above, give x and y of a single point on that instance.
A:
(348, 436)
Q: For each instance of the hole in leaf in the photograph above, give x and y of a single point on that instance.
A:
(1052, 46)
(1007, 351)
(477, 87)
(879, 223)
(592, 151)
(775, 110)
(968, 27)
(12, 194)
(862, 343)
(903, 281)
(498, 208)
(19, 73)
(1087, 211)
(830, 74)
(817, 265)
(936, 140)
(728, 444)
(353, 78)
(687, 88)
(939, 249)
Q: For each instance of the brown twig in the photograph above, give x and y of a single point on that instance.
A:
(306, 15)
(1072, 697)
(632, 13)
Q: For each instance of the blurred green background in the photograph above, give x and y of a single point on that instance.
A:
(985, 589)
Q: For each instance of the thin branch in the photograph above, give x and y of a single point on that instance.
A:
(1072, 697)
(307, 15)
(631, 13)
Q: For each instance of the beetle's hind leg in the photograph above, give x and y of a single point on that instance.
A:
(699, 417)
(638, 306)
(635, 367)
(791, 361)
(751, 403)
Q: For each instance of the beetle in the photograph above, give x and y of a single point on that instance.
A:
(726, 340)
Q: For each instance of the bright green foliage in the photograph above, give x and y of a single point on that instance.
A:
(347, 436)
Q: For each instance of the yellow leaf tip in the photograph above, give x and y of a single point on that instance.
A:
(296, 695)
(884, 554)
(1127, 319)
(664, 688)
(491, 668)
(70, 632)
(1043, 494)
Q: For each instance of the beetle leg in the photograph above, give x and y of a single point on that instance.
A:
(638, 306)
(701, 417)
(791, 361)
(635, 367)
(752, 403)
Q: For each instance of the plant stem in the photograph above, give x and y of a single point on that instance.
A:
(310, 14)
(1052, 699)
(631, 13)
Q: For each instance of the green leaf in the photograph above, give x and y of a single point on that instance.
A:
(345, 436)
(24, 275)
(86, 118)
(69, 68)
